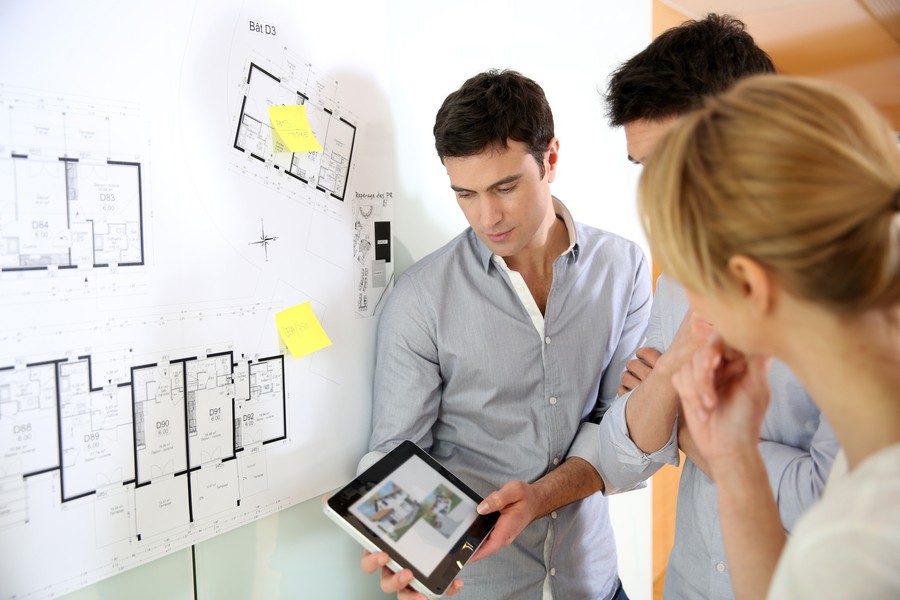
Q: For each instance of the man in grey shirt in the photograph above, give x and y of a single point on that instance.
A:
(641, 432)
(500, 352)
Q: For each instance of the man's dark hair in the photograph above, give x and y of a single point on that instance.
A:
(490, 109)
(681, 67)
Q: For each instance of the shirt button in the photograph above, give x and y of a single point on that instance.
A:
(553, 515)
(555, 461)
(547, 340)
(720, 567)
(553, 572)
(553, 400)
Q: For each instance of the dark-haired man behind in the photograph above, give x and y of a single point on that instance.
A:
(641, 431)
(499, 352)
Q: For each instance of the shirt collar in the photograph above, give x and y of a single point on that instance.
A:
(563, 213)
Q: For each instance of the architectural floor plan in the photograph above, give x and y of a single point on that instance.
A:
(70, 182)
(327, 170)
(149, 234)
(69, 212)
(178, 422)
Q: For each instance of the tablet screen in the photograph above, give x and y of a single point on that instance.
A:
(412, 507)
(417, 512)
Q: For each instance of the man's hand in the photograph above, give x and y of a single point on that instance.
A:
(518, 505)
(637, 369)
(397, 582)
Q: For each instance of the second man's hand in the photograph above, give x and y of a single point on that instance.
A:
(638, 369)
(517, 504)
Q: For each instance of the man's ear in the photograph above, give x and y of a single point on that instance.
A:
(552, 159)
(753, 282)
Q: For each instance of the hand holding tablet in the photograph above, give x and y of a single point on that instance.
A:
(416, 511)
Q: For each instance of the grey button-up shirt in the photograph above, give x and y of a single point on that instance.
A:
(464, 370)
(797, 445)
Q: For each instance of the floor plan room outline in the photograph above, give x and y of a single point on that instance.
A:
(327, 170)
(69, 213)
(169, 436)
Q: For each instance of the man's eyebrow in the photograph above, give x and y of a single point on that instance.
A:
(496, 184)
(505, 181)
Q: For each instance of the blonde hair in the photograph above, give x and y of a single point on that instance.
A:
(796, 174)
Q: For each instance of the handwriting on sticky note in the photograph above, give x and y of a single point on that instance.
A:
(301, 330)
(291, 130)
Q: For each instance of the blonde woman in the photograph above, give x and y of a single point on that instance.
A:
(777, 206)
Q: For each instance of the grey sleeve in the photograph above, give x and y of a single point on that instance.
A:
(407, 388)
(624, 465)
(798, 476)
(587, 442)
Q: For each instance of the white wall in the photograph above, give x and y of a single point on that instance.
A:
(569, 50)
(569, 47)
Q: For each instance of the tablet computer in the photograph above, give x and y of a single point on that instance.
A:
(410, 506)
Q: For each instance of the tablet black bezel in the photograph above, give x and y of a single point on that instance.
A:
(462, 549)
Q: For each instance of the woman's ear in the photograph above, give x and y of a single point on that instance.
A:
(753, 282)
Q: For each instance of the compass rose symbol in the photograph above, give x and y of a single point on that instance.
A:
(264, 239)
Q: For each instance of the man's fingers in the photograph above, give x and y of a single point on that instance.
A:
(492, 503)
(629, 381)
(390, 582)
(394, 582)
(510, 493)
(648, 355)
(635, 373)
(638, 369)
(372, 561)
(503, 534)
(486, 549)
(454, 587)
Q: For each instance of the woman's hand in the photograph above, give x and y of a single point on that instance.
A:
(724, 396)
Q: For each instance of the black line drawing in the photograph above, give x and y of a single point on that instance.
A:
(264, 239)
(327, 170)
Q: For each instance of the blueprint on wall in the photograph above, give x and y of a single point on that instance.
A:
(148, 235)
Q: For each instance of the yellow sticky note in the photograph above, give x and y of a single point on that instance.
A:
(291, 130)
(301, 330)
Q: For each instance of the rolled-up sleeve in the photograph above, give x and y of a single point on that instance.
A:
(625, 466)
(798, 476)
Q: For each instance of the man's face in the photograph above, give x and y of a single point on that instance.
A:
(641, 136)
(504, 197)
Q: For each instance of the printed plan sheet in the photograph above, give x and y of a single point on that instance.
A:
(149, 233)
